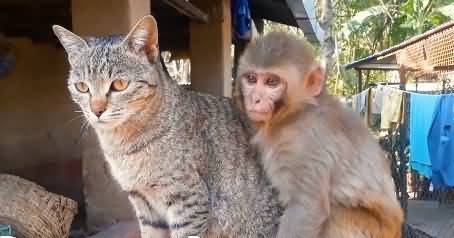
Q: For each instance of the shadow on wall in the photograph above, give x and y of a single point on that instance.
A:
(39, 140)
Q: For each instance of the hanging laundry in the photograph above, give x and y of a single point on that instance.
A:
(375, 103)
(376, 100)
(360, 101)
(441, 143)
(392, 107)
(422, 109)
(349, 102)
(241, 17)
(354, 103)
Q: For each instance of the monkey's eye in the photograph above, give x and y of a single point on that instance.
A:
(81, 87)
(273, 81)
(119, 85)
(251, 78)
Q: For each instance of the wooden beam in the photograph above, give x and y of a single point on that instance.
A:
(259, 24)
(210, 50)
(360, 81)
(377, 67)
(188, 9)
(444, 67)
(276, 11)
(402, 77)
(33, 3)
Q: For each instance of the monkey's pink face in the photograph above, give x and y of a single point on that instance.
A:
(262, 92)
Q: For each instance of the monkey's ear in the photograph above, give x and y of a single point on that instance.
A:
(144, 37)
(314, 81)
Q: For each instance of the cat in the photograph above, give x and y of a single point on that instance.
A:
(182, 156)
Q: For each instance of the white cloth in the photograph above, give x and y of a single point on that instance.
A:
(392, 107)
(359, 101)
(376, 102)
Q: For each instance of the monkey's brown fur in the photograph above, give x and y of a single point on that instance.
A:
(331, 173)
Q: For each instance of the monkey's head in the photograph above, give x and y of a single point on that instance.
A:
(277, 75)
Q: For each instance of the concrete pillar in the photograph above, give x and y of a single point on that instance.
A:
(105, 202)
(210, 49)
(104, 17)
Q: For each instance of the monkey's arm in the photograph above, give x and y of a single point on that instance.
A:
(305, 187)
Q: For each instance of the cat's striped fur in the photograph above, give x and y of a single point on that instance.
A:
(182, 156)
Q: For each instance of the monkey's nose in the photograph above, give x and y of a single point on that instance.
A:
(257, 101)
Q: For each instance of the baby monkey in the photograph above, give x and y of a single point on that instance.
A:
(333, 178)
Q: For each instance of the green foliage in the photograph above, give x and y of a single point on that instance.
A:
(364, 27)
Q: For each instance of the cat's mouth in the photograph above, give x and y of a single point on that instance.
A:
(108, 120)
(106, 123)
(102, 123)
(98, 121)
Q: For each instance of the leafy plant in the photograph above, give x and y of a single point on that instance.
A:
(363, 27)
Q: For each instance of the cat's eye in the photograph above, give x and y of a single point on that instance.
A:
(81, 87)
(119, 85)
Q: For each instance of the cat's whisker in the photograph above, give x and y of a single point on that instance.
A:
(82, 111)
(84, 129)
(74, 119)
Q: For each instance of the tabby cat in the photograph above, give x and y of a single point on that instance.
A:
(182, 156)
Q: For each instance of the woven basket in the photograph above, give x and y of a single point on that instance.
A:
(32, 211)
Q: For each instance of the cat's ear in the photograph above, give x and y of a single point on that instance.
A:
(72, 43)
(144, 37)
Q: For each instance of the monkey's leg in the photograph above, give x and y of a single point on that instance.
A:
(298, 222)
(357, 222)
(151, 224)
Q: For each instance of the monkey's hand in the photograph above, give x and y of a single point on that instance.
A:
(304, 185)
(298, 223)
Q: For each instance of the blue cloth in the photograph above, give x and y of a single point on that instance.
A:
(242, 19)
(5, 230)
(422, 109)
(6, 64)
(441, 143)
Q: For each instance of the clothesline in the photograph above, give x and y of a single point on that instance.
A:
(397, 89)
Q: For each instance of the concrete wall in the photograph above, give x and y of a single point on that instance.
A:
(104, 17)
(39, 139)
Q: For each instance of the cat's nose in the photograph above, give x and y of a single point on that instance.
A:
(99, 112)
(98, 106)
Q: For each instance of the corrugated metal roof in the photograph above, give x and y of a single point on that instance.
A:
(374, 59)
